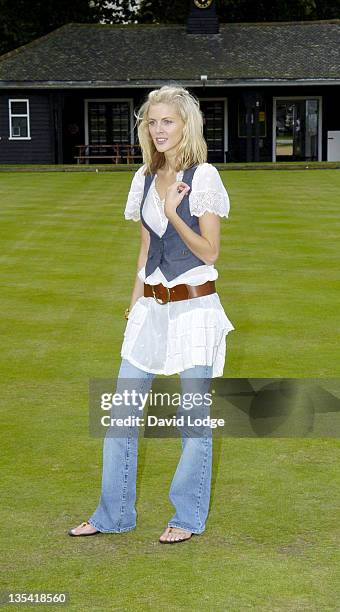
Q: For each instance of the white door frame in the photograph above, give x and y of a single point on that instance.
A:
(86, 116)
(275, 98)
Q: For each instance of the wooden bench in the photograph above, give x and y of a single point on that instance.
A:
(87, 152)
(116, 152)
(131, 153)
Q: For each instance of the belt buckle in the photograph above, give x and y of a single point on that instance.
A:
(157, 300)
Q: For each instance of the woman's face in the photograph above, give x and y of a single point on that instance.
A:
(165, 127)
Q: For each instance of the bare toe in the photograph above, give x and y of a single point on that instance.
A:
(175, 534)
(84, 529)
(165, 534)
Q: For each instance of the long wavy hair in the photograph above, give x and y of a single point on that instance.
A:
(192, 149)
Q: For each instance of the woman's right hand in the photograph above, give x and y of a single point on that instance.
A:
(174, 196)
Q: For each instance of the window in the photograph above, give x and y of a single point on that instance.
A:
(19, 125)
(242, 120)
(109, 122)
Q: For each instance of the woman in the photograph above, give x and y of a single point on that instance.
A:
(176, 323)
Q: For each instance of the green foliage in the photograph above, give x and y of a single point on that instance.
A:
(161, 11)
(277, 10)
(123, 11)
(38, 17)
(158, 11)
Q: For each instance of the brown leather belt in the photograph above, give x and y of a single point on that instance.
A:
(163, 294)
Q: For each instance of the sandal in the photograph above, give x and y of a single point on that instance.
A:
(70, 532)
(176, 531)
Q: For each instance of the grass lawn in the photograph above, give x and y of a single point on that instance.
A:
(68, 260)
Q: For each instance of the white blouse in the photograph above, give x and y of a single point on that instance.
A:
(168, 338)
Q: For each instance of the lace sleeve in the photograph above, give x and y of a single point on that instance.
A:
(132, 208)
(208, 192)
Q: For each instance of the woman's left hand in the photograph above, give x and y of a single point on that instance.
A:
(174, 196)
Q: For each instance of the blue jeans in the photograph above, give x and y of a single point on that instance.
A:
(190, 487)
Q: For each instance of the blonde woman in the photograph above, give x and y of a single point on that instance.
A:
(175, 322)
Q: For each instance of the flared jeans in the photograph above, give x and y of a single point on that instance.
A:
(191, 483)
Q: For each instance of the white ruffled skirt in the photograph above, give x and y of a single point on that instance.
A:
(169, 338)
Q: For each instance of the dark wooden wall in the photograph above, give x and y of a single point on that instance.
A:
(54, 115)
(41, 148)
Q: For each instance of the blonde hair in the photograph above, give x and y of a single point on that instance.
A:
(192, 148)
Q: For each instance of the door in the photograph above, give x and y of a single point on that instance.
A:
(297, 129)
(108, 123)
(333, 146)
(213, 128)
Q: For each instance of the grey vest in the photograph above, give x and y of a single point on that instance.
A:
(169, 252)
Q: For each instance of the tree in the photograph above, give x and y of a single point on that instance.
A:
(277, 10)
(163, 11)
(326, 9)
(22, 21)
(123, 11)
(159, 11)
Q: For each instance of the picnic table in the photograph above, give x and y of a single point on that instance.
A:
(117, 153)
